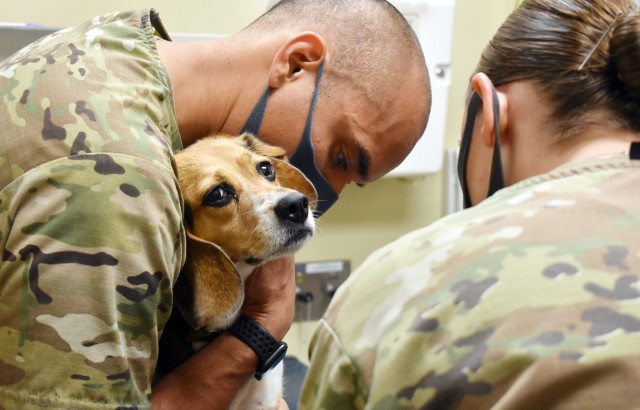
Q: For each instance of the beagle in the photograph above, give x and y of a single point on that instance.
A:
(244, 205)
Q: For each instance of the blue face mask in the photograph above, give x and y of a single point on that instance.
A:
(496, 181)
(304, 157)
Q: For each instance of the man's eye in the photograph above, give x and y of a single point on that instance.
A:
(266, 169)
(342, 162)
(219, 195)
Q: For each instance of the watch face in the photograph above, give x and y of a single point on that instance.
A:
(273, 360)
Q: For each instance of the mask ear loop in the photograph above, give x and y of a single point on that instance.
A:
(252, 126)
(305, 160)
(465, 143)
(306, 144)
(496, 182)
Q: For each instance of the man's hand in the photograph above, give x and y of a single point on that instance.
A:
(270, 295)
(212, 377)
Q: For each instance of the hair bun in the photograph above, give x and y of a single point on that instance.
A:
(624, 48)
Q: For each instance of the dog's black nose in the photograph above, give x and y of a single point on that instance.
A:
(293, 208)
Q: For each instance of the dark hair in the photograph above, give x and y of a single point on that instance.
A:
(584, 56)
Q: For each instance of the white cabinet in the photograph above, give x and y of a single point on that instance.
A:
(432, 20)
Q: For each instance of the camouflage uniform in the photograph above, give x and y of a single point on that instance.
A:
(530, 300)
(90, 215)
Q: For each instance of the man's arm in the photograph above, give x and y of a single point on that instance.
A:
(212, 377)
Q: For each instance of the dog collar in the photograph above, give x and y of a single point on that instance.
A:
(270, 352)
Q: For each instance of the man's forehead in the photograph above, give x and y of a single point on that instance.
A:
(384, 154)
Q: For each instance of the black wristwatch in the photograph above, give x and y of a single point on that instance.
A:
(270, 352)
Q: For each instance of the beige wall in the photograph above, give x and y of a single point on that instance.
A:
(192, 16)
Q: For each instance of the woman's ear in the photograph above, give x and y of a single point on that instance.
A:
(483, 86)
(301, 53)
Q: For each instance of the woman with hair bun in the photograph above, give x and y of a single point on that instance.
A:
(530, 298)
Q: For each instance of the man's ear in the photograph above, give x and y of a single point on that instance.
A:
(483, 86)
(301, 53)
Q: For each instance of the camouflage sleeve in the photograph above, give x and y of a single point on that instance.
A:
(92, 245)
(90, 215)
(333, 379)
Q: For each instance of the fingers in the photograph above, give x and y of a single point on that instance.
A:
(270, 295)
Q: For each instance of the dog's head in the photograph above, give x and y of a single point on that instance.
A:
(245, 205)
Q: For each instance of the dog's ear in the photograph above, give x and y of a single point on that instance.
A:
(291, 177)
(254, 144)
(209, 291)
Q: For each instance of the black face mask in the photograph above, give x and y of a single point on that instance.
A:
(496, 181)
(304, 157)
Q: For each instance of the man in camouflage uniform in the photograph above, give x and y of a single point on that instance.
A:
(531, 298)
(82, 295)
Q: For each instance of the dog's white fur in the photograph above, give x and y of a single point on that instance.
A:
(226, 243)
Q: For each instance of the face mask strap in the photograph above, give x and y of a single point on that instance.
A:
(474, 104)
(252, 126)
(306, 135)
(496, 180)
(305, 160)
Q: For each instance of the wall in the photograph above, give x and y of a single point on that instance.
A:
(186, 16)
(365, 218)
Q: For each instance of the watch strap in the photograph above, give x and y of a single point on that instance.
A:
(269, 350)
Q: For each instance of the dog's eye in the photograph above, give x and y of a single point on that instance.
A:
(219, 195)
(265, 168)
